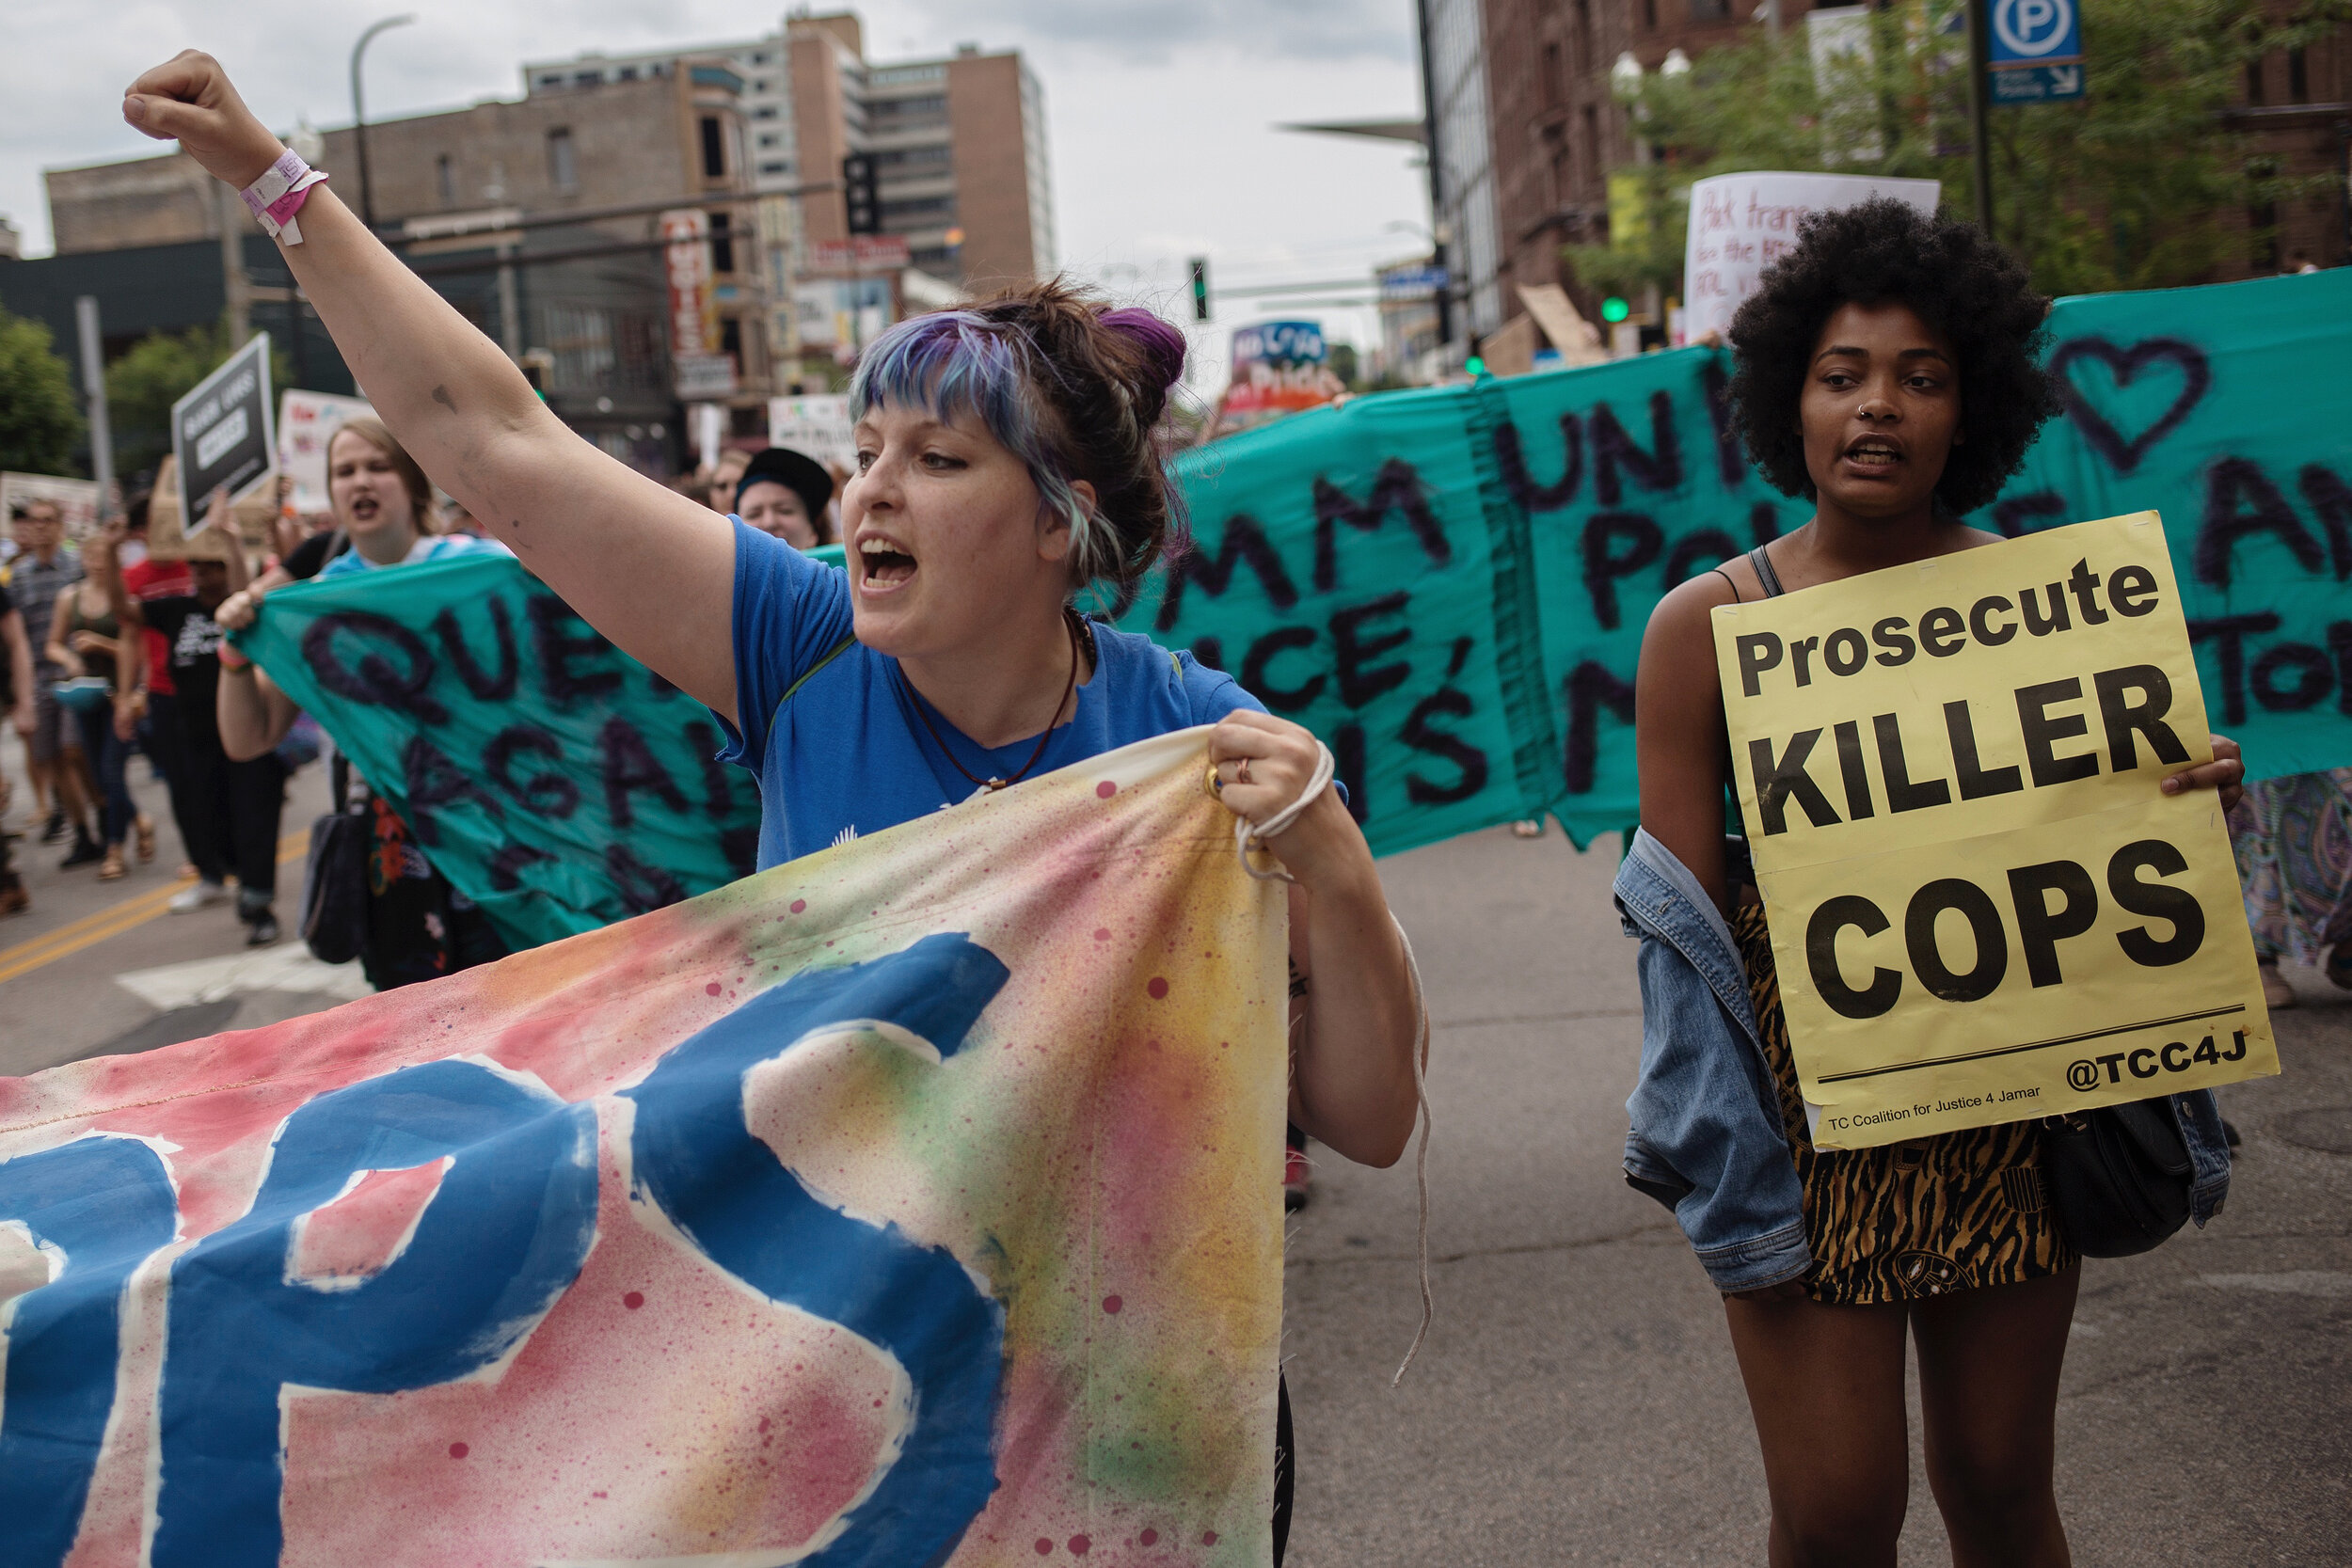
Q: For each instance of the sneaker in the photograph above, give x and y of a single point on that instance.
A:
(14, 899)
(53, 830)
(261, 932)
(1295, 1175)
(203, 895)
(86, 852)
(1528, 826)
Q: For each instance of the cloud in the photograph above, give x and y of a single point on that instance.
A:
(1158, 31)
(1160, 115)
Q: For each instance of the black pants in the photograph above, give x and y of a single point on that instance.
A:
(166, 743)
(232, 814)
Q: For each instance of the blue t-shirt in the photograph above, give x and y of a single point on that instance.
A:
(431, 547)
(848, 755)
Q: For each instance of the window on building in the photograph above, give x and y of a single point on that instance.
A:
(2299, 77)
(553, 80)
(1710, 10)
(587, 79)
(562, 165)
(1551, 84)
(445, 181)
(714, 149)
(731, 341)
(766, 111)
(1649, 14)
(760, 86)
(2254, 83)
(628, 73)
(776, 168)
(771, 138)
(759, 60)
(1584, 35)
(1592, 147)
(721, 242)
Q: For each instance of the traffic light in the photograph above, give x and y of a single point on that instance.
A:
(1201, 288)
(1615, 309)
(861, 188)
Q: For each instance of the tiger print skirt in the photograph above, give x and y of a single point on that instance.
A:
(1955, 1211)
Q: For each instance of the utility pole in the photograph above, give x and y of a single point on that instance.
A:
(1980, 59)
(1438, 228)
(102, 446)
(360, 112)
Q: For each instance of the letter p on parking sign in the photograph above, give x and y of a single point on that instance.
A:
(1982, 906)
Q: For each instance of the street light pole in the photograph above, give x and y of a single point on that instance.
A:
(1440, 254)
(360, 112)
(1979, 52)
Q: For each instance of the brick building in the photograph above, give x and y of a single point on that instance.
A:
(1533, 176)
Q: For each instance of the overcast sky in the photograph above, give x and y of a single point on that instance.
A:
(1160, 112)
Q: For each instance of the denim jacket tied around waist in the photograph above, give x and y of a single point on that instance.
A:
(1706, 1138)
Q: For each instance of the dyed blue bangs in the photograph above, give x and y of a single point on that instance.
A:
(952, 363)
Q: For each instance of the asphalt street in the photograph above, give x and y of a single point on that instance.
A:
(1576, 1401)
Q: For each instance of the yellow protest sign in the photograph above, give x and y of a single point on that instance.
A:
(1983, 909)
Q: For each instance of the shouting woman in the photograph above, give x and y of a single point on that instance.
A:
(1004, 464)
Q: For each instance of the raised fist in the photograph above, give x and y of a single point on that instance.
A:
(189, 98)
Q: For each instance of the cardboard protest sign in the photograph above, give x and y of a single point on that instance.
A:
(76, 499)
(915, 1202)
(817, 427)
(554, 779)
(222, 432)
(1983, 908)
(307, 422)
(1740, 224)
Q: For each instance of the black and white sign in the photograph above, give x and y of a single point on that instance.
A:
(222, 432)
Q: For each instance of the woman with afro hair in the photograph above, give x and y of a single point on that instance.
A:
(1886, 371)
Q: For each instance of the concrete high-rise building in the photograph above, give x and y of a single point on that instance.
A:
(958, 141)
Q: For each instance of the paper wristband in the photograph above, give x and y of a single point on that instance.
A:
(279, 194)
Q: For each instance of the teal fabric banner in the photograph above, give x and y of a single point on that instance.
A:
(552, 779)
(1450, 586)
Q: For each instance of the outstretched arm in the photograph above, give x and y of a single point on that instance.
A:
(645, 566)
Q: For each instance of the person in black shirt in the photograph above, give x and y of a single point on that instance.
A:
(234, 806)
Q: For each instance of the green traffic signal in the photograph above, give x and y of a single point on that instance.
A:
(1474, 365)
(1615, 309)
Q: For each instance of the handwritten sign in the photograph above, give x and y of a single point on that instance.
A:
(912, 1203)
(1983, 909)
(307, 422)
(552, 779)
(1740, 224)
(221, 433)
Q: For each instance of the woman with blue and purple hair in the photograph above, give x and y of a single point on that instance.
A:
(1005, 464)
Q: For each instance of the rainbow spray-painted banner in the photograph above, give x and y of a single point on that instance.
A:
(911, 1203)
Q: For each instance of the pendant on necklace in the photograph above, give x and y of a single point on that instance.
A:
(993, 786)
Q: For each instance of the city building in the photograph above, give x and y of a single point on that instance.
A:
(959, 155)
(539, 219)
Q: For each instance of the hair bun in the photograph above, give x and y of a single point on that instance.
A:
(1163, 344)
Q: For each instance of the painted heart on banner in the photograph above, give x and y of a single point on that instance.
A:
(2126, 365)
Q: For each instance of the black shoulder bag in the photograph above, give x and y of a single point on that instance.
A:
(2119, 1177)
(335, 880)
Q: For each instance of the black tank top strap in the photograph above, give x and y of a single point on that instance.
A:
(1735, 587)
(1764, 573)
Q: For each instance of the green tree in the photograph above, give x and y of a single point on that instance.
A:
(40, 416)
(2133, 187)
(141, 387)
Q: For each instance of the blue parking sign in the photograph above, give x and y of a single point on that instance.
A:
(2036, 33)
(2036, 53)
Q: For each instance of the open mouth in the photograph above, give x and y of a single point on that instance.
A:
(365, 509)
(1873, 452)
(883, 564)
